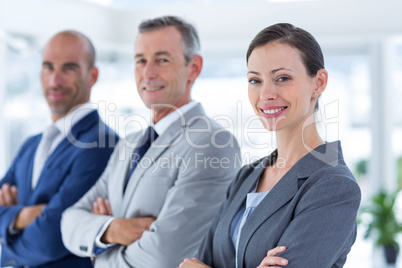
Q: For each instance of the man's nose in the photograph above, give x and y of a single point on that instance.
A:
(56, 79)
(150, 71)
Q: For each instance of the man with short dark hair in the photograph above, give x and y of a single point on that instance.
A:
(54, 169)
(153, 204)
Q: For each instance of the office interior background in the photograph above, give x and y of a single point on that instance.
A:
(361, 41)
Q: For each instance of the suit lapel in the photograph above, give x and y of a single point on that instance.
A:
(278, 196)
(73, 138)
(235, 206)
(153, 153)
(171, 136)
(286, 189)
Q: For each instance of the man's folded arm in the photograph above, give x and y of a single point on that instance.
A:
(40, 242)
(79, 236)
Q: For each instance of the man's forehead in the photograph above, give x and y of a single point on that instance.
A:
(62, 49)
(153, 53)
(165, 39)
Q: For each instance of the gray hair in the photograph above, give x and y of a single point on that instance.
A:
(191, 42)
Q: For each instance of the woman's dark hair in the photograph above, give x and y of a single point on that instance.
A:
(295, 37)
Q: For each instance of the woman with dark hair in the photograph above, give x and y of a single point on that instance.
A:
(296, 207)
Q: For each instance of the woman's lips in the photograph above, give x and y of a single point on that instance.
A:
(273, 111)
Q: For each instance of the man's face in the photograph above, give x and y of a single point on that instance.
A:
(66, 77)
(163, 78)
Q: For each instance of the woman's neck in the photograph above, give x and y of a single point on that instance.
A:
(295, 143)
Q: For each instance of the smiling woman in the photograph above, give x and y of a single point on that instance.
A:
(282, 93)
(296, 207)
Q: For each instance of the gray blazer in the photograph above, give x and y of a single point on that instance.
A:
(181, 180)
(311, 210)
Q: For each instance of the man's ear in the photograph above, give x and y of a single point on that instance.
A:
(93, 76)
(195, 67)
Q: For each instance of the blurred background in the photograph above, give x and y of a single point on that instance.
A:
(361, 41)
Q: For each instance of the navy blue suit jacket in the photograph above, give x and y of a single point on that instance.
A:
(73, 167)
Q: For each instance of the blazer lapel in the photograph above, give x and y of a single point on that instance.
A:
(171, 136)
(153, 153)
(235, 206)
(278, 196)
(72, 138)
(286, 189)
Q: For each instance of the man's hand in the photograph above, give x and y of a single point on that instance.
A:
(102, 207)
(126, 231)
(270, 260)
(27, 215)
(193, 263)
(8, 195)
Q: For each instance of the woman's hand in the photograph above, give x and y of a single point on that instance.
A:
(270, 260)
(193, 263)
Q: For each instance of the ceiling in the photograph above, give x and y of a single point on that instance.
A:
(225, 26)
(135, 4)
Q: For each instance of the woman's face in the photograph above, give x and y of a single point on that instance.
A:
(279, 88)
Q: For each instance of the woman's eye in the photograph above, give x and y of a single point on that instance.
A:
(283, 79)
(253, 81)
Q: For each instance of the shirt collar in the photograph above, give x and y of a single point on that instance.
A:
(165, 122)
(66, 123)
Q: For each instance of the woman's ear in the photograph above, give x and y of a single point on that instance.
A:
(321, 80)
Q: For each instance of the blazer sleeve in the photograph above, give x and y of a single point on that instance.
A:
(189, 207)
(7, 214)
(79, 236)
(40, 242)
(205, 251)
(324, 224)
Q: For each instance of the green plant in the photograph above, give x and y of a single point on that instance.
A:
(361, 168)
(399, 171)
(380, 220)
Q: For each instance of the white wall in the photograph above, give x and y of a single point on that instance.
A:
(225, 28)
(228, 28)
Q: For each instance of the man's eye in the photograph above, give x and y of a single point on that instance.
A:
(163, 60)
(140, 61)
(46, 67)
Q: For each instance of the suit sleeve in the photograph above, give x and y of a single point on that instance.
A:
(189, 207)
(205, 251)
(79, 236)
(324, 225)
(7, 214)
(25, 247)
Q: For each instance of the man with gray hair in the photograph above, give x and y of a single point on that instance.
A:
(155, 200)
